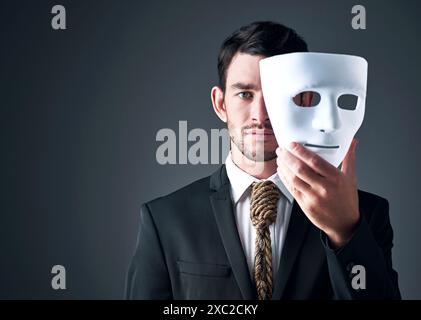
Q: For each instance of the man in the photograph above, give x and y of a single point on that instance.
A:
(270, 223)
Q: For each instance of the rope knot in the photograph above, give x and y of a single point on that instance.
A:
(265, 196)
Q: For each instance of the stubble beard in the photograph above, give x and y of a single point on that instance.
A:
(237, 137)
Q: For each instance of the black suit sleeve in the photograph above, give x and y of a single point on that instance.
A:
(148, 277)
(370, 247)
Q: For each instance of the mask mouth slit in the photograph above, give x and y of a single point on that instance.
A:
(320, 146)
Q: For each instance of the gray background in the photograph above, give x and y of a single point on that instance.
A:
(80, 109)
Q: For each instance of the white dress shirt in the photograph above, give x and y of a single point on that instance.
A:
(240, 193)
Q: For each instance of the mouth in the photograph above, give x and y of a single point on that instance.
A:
(261, 132)
(320, 146)
(261, 135)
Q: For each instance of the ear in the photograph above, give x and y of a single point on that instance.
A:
(307, 98)
(217, 97)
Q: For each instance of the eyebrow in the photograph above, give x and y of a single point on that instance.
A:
(244, 86)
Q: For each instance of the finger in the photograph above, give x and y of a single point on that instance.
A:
(348, 164)
(295, 192)
(301, 169)
(314, 161)
(292, 180)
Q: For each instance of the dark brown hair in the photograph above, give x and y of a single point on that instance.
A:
(263, 38)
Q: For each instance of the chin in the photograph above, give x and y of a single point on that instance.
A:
(261, 154)
(267, 146)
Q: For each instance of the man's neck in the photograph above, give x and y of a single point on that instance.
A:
(259, 170)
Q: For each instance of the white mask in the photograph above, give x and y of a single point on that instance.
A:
(326, 128)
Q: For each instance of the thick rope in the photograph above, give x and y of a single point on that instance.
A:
(263, 210)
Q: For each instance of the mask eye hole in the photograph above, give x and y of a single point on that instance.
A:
(307, 99)
(348, 101)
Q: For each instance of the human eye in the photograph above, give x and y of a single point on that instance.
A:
(245, 95)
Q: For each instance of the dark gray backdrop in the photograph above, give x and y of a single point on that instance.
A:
(80, 110)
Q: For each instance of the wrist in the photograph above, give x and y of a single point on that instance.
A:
(337, 241)
(340, 238)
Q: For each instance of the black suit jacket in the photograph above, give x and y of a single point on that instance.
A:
(189, 248)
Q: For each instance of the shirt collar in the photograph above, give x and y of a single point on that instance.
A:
(241, 181)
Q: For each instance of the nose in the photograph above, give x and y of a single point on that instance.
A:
(326, 117)
(258, 110)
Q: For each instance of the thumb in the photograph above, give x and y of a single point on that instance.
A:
(348, 164)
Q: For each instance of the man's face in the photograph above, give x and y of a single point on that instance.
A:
(248, 122)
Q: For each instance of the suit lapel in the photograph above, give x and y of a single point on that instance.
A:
(224, 215)
(297, 230)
